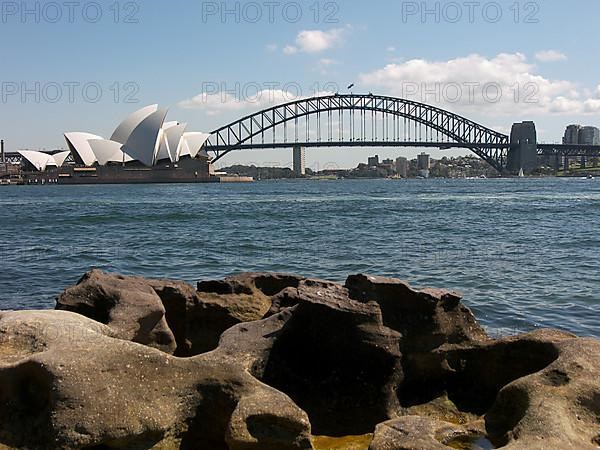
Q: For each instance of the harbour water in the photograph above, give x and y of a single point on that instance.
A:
(524, 252)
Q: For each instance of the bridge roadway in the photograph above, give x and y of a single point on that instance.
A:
(547, 150)
(543, 149)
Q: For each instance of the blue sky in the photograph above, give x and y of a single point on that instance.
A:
(176, 50)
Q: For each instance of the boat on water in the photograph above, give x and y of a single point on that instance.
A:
(521, 173)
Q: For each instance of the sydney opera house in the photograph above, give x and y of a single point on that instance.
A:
(143, 148)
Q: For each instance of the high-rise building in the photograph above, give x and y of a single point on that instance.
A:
(402, 167)
(578, 135)
(589, 136)
(423, 161)
(572, 134)
(299, 161)
(424, 164)
(373, 161)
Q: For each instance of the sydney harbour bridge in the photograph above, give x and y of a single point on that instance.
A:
(367, 120)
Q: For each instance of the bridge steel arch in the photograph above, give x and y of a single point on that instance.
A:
(488, 144)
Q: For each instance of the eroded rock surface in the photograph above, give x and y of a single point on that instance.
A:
(128, 305)
(555, 407)
(171, 315)
(332, 355)
(221, 304)
(268, 356)
(65, 382)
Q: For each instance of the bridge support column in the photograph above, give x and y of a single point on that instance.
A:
(299, 161)
(523, 148)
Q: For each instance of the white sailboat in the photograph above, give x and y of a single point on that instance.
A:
(521, 173)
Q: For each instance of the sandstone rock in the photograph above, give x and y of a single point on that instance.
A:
(477, 372)
(421, 433)
(426, 318)
(66, 382)
(127, 304)
(267, 423)
(180, 300)
(250, 283)
(224, 303)
(330, 354)
(555, 407)
(171, 315)
(352, 356)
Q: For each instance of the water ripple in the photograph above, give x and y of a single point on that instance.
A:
(525, 253)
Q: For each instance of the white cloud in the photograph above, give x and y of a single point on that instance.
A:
(290, 50)
(317, 41)
(504, 84)
(391, 49)
(227, 102)
(524, 91)
(591, 106)
(550, 56)
(272, 47)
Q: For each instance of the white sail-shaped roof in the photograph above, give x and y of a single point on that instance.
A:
(144, 141)
(124, 130)
(174, 137)
(163, 149)
(184, 148)
(109, 151)
(195, 142)
(143, 136)
(61, 157)
(38, 160)
(79, 145)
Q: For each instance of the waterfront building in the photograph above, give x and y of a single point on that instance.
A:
(572, 134)
(142, 149)
(580, 135)
(142, 138)
(589, 136)
(387, 168)
(299, 161)
(423, 161)
(402, 167)
(39, 161)
(373, 161)
(424, 165)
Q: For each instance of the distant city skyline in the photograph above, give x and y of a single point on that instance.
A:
(80, 68)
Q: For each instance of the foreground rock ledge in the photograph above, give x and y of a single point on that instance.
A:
(266, 361)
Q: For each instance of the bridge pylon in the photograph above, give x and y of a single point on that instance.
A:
(523, 152)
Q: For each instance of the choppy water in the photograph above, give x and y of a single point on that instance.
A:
(526, 253)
